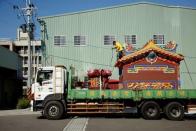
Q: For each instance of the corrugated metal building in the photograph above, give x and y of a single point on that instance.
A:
(84, 39)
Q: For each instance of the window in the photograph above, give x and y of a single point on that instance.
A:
(40, 59)
(44, 75)
(59, 40)
(159, 39)
(25, 50)
(108, 40)
(25, 60)
(79, 40)
(25, 71)
(24, 83)
(130, 39)
(37, 49)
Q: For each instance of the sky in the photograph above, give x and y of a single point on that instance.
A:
(10, 19)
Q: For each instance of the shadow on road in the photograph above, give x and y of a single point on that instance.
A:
(190, 117)
(41, 117)
(125, 116)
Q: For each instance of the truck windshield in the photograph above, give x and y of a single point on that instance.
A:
(44, 75)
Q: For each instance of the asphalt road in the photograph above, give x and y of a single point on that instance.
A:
(139, 124)
(31, 123)
(36, 123)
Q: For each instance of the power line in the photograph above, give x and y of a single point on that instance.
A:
(189, 73)
(184, 72)
(71, 59)
(76, 60)
(190, 57)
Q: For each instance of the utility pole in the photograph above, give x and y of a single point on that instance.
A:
(27, 13)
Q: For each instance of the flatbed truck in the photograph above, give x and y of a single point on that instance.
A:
(55, 94)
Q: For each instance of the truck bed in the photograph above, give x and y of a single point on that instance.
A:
(135, 95)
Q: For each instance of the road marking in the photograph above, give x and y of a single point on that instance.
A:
(76, 124)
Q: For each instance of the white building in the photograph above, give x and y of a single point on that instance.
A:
(20, 46)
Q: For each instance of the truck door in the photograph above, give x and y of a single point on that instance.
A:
(44, 84)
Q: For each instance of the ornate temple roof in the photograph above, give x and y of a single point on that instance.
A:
(143, 52)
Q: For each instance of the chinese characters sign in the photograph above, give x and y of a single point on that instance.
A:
(150, 85)
(163, 68)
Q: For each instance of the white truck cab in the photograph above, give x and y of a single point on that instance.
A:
(49, 81)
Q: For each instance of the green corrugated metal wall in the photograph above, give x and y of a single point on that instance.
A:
(143, 20)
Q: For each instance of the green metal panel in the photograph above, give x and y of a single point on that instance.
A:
(192, 94)
(182, 94)
(132, 95)
(79, 94)
(149, 94)
(170, 93)
(105, 94)
(143, 20)
(127, 94)
(93, 94)
(115, 94)
(161, 94)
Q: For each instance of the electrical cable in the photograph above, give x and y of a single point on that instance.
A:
(190, 57)
(193, 73)
(111, 58)
(189, 73)
(111, 61)
(71, 59)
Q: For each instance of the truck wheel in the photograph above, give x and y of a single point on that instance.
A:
(150, 110)
(174, 111)
(53, 110)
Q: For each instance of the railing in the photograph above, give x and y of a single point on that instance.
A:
(95, 108)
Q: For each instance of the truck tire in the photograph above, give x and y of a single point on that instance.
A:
(174, 111)
(53, 110)
(150, 110)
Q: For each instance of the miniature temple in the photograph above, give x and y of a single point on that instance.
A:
(151, 67)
